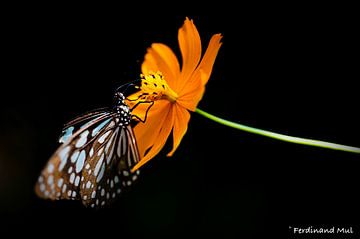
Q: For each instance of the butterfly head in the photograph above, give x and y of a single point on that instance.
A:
(119, 98)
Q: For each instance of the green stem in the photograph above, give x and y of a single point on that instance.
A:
(283, 137)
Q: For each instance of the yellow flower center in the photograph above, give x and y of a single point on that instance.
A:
(155, 87)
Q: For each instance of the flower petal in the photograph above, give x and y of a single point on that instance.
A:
(149, 63)
(161, 58)
(208, 60)
(192, 93)
(147, 132)
(182, 117)
(190, 47)
(158, 139)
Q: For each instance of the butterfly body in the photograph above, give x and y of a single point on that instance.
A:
(93, 163)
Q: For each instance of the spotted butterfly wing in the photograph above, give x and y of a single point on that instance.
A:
(107, 172)
(94, 161)
(81, 122)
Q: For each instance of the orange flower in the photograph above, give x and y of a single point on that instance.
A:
(173, 91)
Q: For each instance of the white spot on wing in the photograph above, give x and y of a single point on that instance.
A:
(72, 177)
(80, 162)
(88, 184)
(60, 182)
(50, 168)
(103, 137)
(99, 127)
(64, 188)
(50, 179)
(111, 150)
(116, 179)
(83, 139)
(74, 156)
(100, 151)
(98, 164)
(77, 180)
(101, 174)
(63, 155)
(66, 134)
(42, 187)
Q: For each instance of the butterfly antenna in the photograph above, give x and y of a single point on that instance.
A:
(129, 86)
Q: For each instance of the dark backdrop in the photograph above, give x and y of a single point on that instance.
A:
(290, 73)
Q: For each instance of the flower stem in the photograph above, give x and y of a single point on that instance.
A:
(283, 137)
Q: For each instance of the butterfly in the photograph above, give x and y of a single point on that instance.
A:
(93, 163)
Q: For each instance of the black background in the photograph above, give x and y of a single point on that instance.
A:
(290, 73)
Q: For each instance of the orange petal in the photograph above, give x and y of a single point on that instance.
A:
(147, 132)
(161, 58)
(149, 63)
(182, 117)
(190, 47)
(141, 109)
(193, 90)
(192, 93)
(168, 63)
(160, 137)
(208, 60)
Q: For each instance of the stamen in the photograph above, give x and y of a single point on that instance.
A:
(155, 87)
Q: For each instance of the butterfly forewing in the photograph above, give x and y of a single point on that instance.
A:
(62, 175)
(80, 122)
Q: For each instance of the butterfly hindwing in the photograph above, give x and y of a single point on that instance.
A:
(107, 171)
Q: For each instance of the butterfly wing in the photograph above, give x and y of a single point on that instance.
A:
(108, 171)
(61, 177)
(81, 122)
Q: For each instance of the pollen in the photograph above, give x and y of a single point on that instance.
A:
(155, 87)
